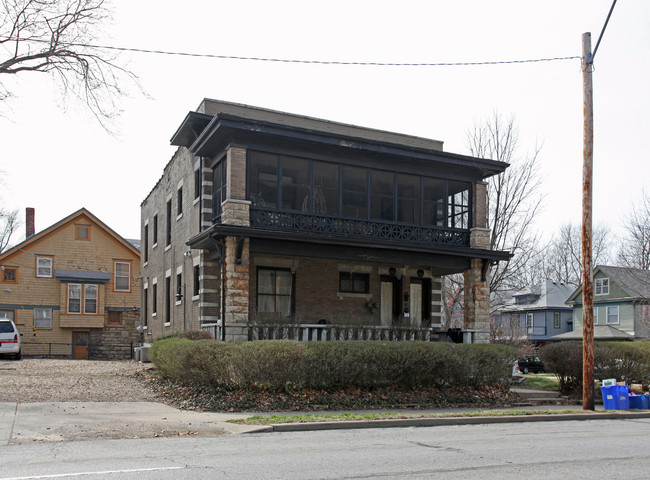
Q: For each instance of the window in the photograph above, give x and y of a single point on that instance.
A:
(274, 291)
(145, 237)
(458, 204)
(612, 314)
(295, 184)
(114, 318)
(85, 294)
(168, 300)
(42, 318)
(145, 307)
(179, 202)
(179, 287)
(197, 281)
(595, 315)
(219, 187)
(122, 277)
(355, 192)
(382, 198)
(10, 274)
(82, 232)
(155, 230)
(354, 282)
(154, 299)
(530, 323)
(90, 299)
(169, 223)
(556, 319)
(408, 199)
(44, 267)
(602, 286)
(197, 183)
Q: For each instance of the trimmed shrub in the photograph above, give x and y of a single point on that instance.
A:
(281, 364)
(189, 334)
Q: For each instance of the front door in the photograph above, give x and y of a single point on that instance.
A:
(389, 305)
(416, 304)
(80, 345)
(420, 302)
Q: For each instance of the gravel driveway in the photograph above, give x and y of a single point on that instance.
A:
(43, 380)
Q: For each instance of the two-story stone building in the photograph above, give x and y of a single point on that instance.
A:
(262, 213)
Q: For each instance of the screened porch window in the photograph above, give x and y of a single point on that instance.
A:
(274, 291)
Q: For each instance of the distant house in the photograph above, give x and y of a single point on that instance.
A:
(537, 313)
(72, 289)
(621, 300)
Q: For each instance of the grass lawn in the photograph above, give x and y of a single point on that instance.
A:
(540, 381)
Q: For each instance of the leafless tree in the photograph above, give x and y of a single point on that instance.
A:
(514, 198)
(563, 258)
(9, 224)
(507, 329)
(56, 37)
(452, 300)
(634, 250)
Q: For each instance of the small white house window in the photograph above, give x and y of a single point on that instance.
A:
(612, 315)
(602, 286)
(42, 318)
(44, 267)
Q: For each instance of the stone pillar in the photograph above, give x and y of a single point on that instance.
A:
(237, 290)
(479, 205)
(477, 302)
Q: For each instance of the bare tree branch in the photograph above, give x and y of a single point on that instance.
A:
(634, 249)
(9, 224)
(56, 37)
(514, 198)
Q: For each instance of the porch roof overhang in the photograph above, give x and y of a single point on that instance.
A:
(224, 128)
(449, 259)
(601, 332)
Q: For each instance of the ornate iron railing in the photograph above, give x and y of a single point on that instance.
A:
(305, 222)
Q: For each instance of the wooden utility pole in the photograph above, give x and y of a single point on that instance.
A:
(587, 275)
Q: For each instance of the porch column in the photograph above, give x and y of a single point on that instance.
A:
(237, 288)
(477, 302)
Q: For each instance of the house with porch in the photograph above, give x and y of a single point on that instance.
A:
(263, 216)
(72, 289)
(621, 303)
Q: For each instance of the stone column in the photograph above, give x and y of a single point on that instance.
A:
(237, 290)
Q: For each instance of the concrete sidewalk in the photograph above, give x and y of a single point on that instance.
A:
(60, 422)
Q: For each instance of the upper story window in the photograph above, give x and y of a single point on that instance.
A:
(168, 237)
(9, 274)
(82, 232)
(601, 286)
(612, 314)
(155, 230)
(219, 182)
(302, 185)
(44, 267)
(179, 202)
(197, 183)
(122, 276)
(145, 246)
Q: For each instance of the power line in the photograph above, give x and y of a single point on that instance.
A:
(314, 62)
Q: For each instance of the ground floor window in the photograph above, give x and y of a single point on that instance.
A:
(275, 290)
(354, 282)
(612, 314)
(42, 318)
(114, 318)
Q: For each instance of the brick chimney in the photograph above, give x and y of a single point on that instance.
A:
(29, 222)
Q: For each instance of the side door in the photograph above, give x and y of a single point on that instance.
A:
(80, 345)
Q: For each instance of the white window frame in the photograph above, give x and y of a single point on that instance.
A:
(122, 276)
(88, 288)
(616, 309)
(47, 268)
(601, 286)
(80, 287)
(40, 315)
(595, 315)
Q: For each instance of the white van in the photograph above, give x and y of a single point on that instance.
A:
(9, 339)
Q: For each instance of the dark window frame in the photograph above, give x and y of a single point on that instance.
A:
(349, 282)
(275, 294)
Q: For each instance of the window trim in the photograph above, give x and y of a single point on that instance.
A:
(35, 319)
(6, 269)
(601, 286)
(51, 268)
(113, 323)
(292, 293)
(77, 229)
(557, 320)
(179, 202)
(618, 318)
(83, 298)
(363, 275)
(154, 232)
(115, 276)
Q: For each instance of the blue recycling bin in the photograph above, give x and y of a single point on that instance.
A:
(639, 401)
(616, 397)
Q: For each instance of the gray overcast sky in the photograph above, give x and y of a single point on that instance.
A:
(58, 160)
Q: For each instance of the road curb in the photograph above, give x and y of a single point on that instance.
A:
(446, 421)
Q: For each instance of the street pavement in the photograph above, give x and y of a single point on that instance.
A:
(22, 423)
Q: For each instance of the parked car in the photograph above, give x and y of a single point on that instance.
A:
(9, 339)
(531, 365)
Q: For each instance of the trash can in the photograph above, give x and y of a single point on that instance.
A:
(639, 401)
(616, 397)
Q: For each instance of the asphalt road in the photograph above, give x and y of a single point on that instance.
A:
(605, 449)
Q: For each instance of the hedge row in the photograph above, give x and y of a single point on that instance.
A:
(625, 361)
(327, 365)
